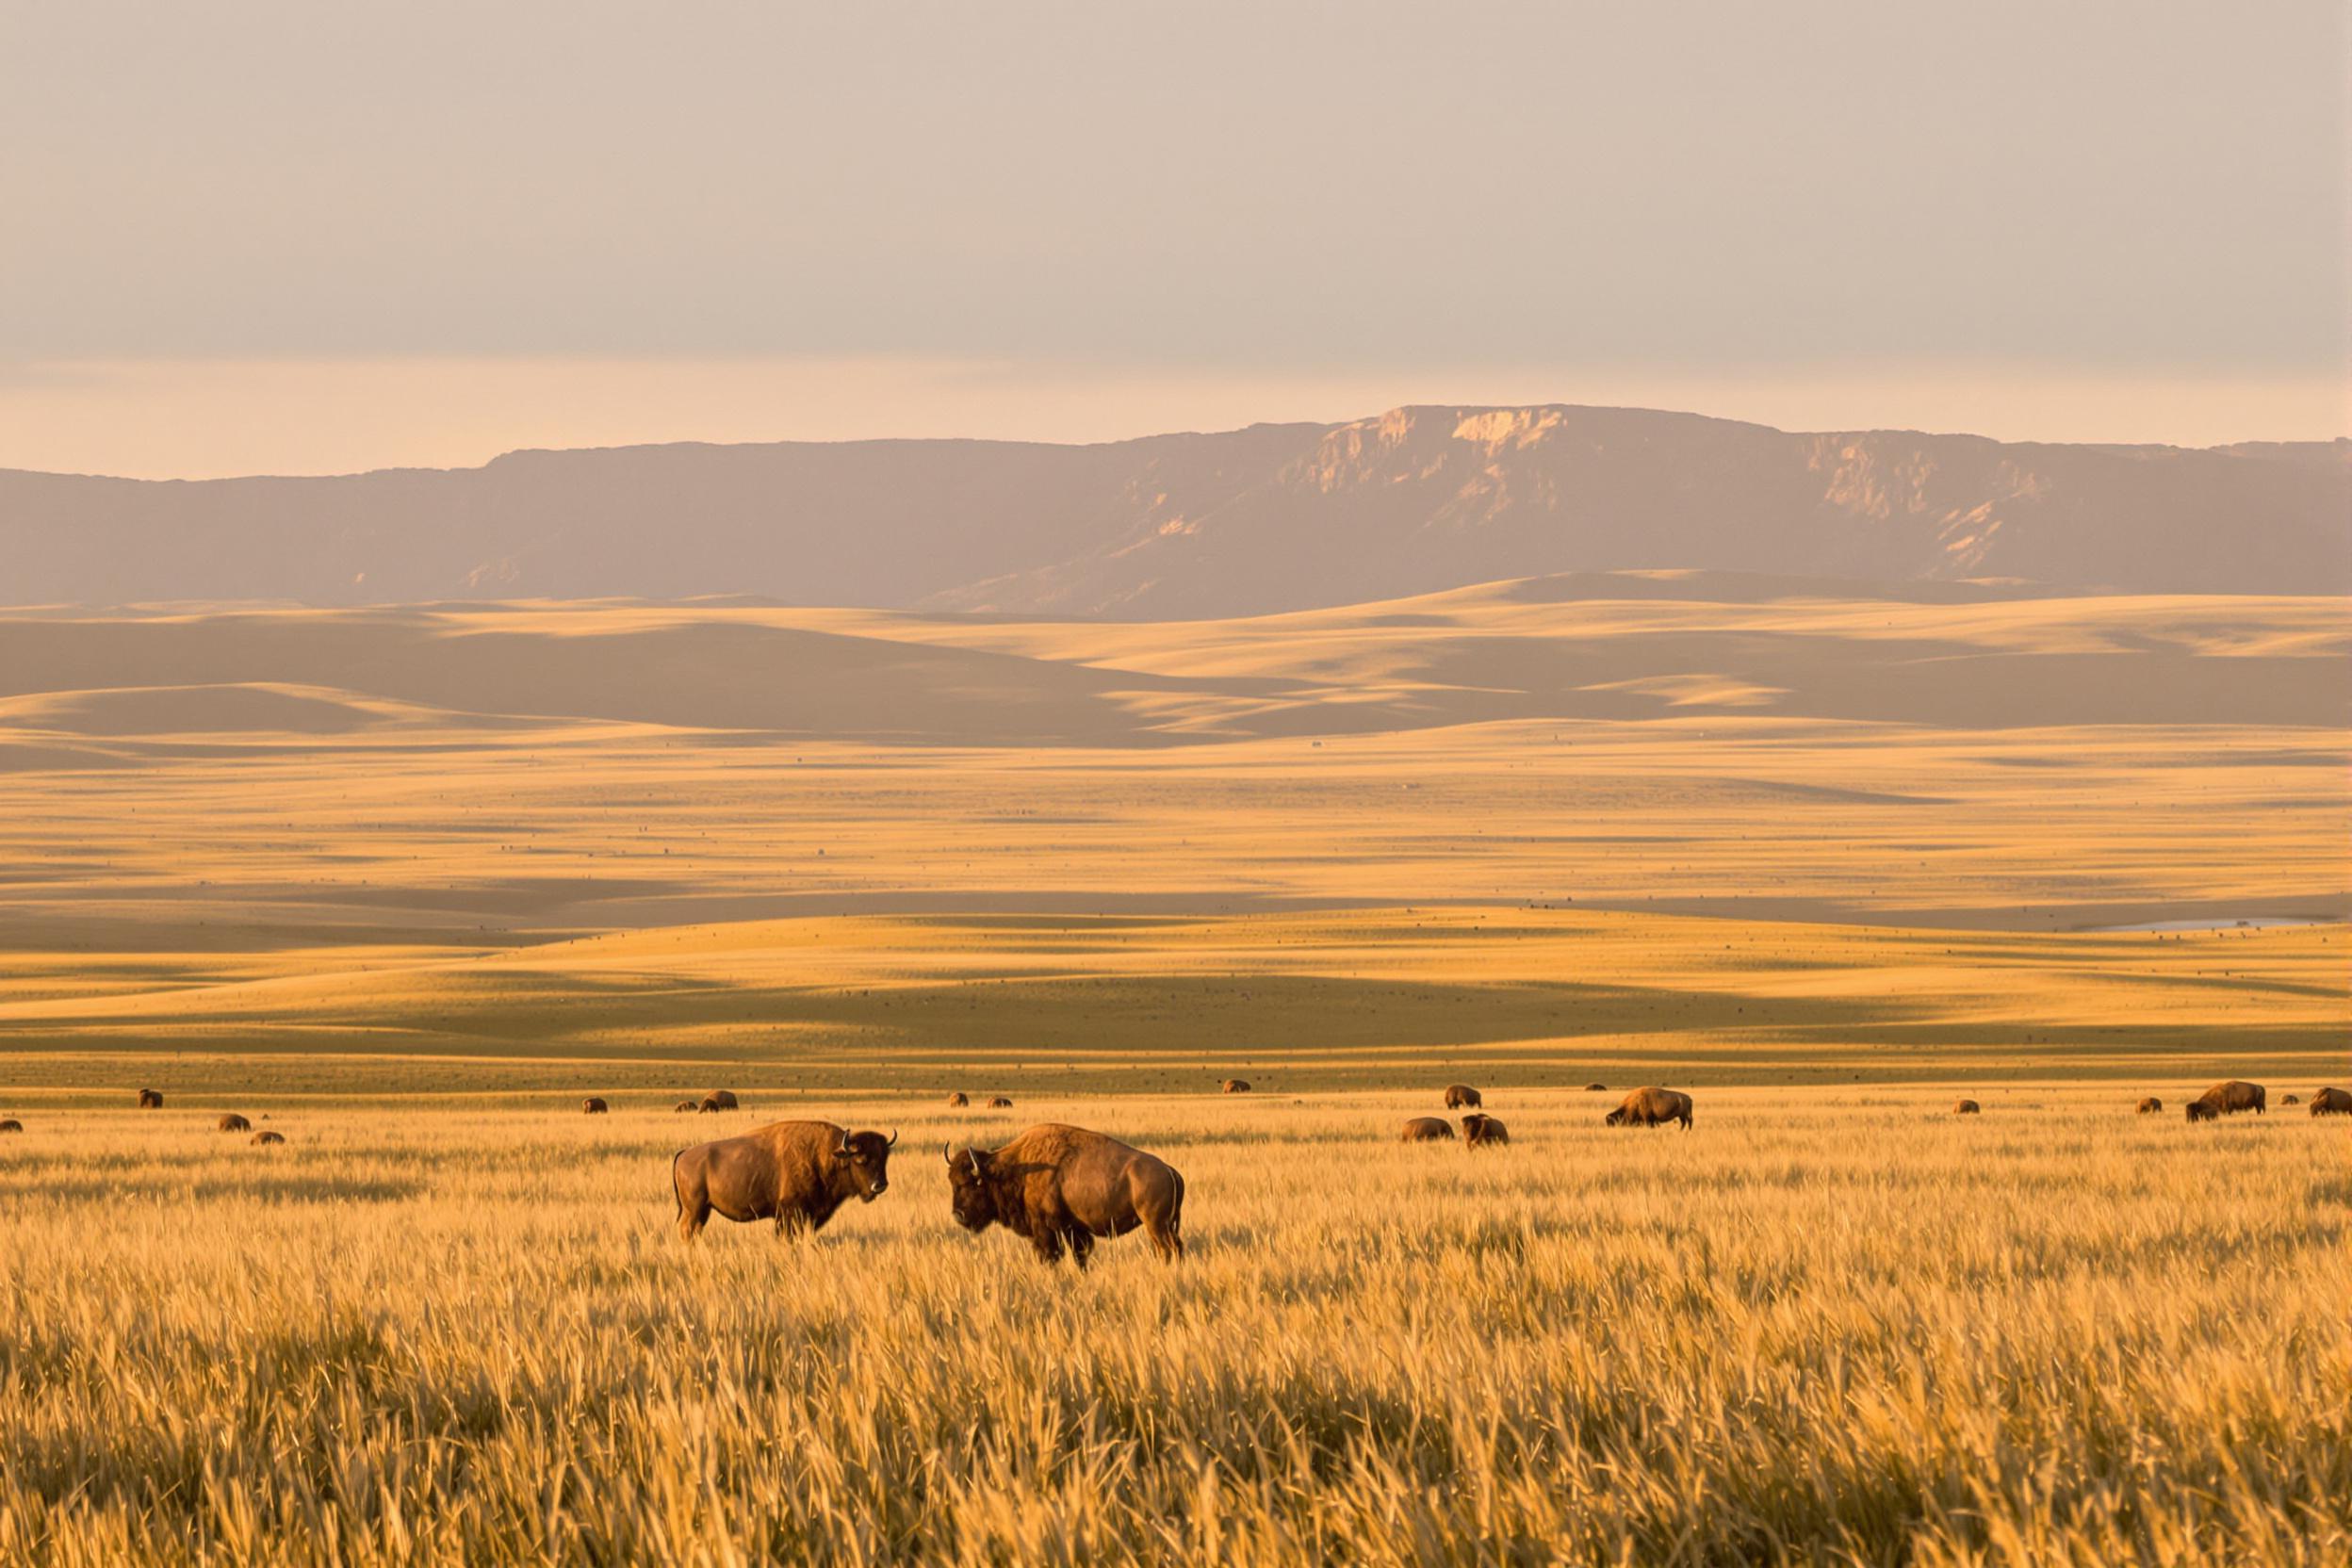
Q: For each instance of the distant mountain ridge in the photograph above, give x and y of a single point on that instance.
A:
(1268, 519)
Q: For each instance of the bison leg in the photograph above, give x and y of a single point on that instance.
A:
(1081, 1245)
(1168, 1244)
(1049, 1245)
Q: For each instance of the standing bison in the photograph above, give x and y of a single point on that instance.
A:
(594, 1105)
(2150, 1105)
(1427, 1129)
(150, 1100)
(1064, 1186)
(1460, 1095)
(1234, 1086)
(1596, 1088)
(1966, 1108)
(263, 1139)
(724, 1099)
(1651, 1108)
(710, 1105)
(793, 1173)
(2331, 1102)
(1479, 1130)
(235, 1123)
(2227, 1098)
(12, 1125)
(1000, 1103)
(687, 1106)
(960, 1098)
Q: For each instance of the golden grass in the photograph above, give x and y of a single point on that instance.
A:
(1822, 1326)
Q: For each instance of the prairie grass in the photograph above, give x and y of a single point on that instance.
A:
(1826, 1326)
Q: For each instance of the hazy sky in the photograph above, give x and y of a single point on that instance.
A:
(315, 235)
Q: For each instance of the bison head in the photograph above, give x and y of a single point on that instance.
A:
(867, 1157)
(968, 1191)
(1615, 1117)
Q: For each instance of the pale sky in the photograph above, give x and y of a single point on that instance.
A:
(313, 236)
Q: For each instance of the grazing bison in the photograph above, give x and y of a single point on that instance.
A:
(2150, 1105)
(268, 1137)
(594, 1105)
(1064, 1186)
(150, 1100)
(1234, 1086)
(1596, 1088)
(2331, 1102)
(1000, 1103)
(960, 1098)
(2233, 1095)
(1460, 1095)
(724, 1099)
(11, 1125)
(1966, 1108)
(2292, 1099)
(1427, 1129)
(235, 1123)
(2201, 1111)
(1651, 1108)
(710, 1105)
(793, 1173)
(1479, 1129)
(687, 1106)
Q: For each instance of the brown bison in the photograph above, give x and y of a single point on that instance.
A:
(724, 1099)
(2229, 1097)
(2292, 1099)
(1064, 1186)
(1966, 1108)
(235, 1123)
(1000, 1103)
(1427, 1129)
(1460, 1095)
(265, 1137)
(2150, 1105)
(960, 1098)
(1479, 1129)
(11, 1125)
(594, 1105)
(1234, 1086)
(686, 1106)
(150, 1100)
(710, 1105)
(793, 1173)
(1596, 1088)
(2199, 1111)
(1651, 1108)
(2331, 1102)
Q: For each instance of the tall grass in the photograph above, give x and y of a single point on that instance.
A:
(1810, 1331)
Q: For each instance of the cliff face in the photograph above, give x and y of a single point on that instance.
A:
(1268, 518)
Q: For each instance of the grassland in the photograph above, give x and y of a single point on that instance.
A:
(1822, 1326)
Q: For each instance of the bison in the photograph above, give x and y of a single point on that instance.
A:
(1651, 1108)
(959, 1098)
(1479, 1129)
(2201, 1111)
(1000, 1103)
(235, 1123)
(724, 1099)
(1596, 1088)
(1234, 1086)
(2150, 1105)
(793, 1173)
(710, 1105)
(150, 1100)
(1427, 1129)
(594, 1105)
(1966, 1108)
(2332, 1102)
(686, 1107)
(1457, 1096)
(2233, 1095)
(11, 1125)
(265, 1137)
(2292, 1099)
(1064, 1186)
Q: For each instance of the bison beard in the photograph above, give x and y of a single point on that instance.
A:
(1063, 1187)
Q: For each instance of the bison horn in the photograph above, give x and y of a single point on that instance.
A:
(947, 1152)
(893, 1143)
(974, 1155)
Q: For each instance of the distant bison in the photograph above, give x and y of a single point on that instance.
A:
(1459, 1095)
(2229, 1097)
(793, 1173)
(1234, 1086)
(1966, 1108)
(2150, 1105)
(1000, 1103)
(2292, 1099)
(684, 1106)
(960, 1098)
(594, 1105)
(235, 1123)
(2331, 1102)
(1596, 1088)
(10, 1124)
(1063, 1187)
(726, 1100)
(1479, 1129)
(710, 1105)
(150, 1100)
(1651, 1108)
(1427, 1129)
(268, 1137)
